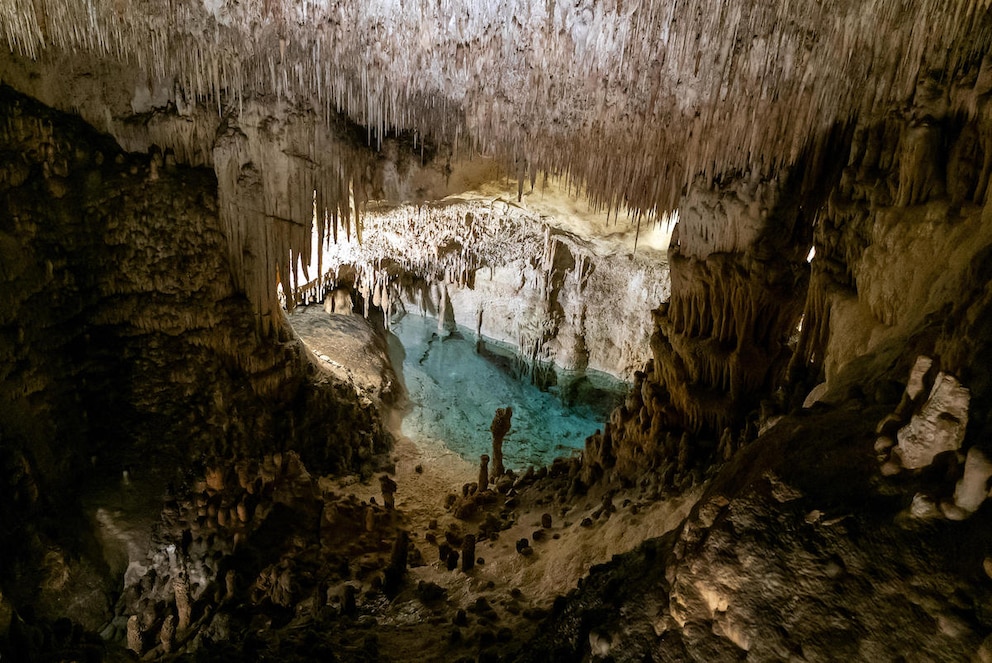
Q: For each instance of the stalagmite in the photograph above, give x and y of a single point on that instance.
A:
(972, 489)
(167, 635)
(134, 640)
(397, 564)
(180, 587)
(484, 472)
(388, 487)
(499, 428)
(468, 552)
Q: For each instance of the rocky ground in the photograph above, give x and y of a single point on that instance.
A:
(800, 549)
(256, 558)
(806, 545)
(260, 560)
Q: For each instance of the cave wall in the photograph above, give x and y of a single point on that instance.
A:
(901, 245)
(895, 210)
(289, 175)
(125, 340)
(805, 544)
(565, 308)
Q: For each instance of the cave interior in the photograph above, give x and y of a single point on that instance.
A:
(766, 219)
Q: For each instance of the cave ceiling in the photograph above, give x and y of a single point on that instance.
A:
(632, 98)
(628, 102)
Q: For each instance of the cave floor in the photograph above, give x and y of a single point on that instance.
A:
(287, 583)
(520, 589)
(427, 471)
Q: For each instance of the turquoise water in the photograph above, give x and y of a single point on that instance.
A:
(455, 391)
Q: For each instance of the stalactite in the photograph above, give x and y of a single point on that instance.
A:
(714, 101)
(742, 128)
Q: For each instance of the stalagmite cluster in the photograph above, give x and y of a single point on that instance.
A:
(125, 344)
(828, 164)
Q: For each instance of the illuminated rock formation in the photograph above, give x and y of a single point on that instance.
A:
(828, 165)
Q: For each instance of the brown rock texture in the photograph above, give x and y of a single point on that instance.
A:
(124, 338)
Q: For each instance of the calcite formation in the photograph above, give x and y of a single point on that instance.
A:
(635, 103)
(725, 336)
(830, 163)
(972, 488)
(633, 99)
(505, 272)
(938, 427)
(931, 419)
(125, 340)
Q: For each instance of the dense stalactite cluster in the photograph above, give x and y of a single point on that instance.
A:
(447, 241)
(901, 267)
(500, 269)
(898, 236)
(634, 102)
(277, 182)
(688, 86)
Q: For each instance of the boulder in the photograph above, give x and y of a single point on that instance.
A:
(939, 425)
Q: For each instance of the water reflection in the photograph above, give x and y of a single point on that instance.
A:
(454, 393)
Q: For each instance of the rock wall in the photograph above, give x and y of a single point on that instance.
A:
(723, 341)
(125, 339)
(856, 525)
(901, 247)
(283, 170)
(566, 309)
(894, 212)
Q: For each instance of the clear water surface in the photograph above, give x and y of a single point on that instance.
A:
(455, 391)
